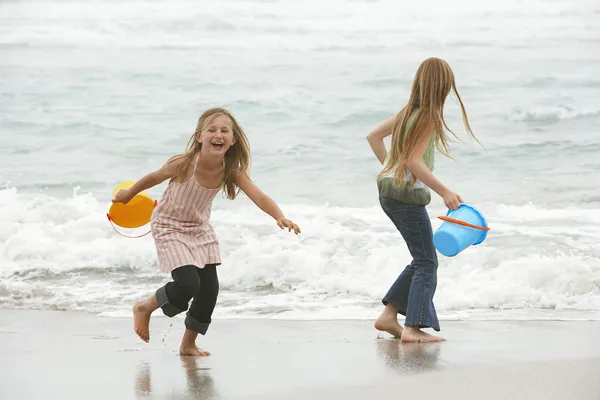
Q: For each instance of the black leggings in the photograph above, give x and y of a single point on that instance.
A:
(189, 281)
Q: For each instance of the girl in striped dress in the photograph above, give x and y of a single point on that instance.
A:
(217, 158)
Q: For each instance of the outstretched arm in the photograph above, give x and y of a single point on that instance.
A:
(265, 203)
(167, 171)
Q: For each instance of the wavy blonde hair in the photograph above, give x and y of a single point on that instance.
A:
(237, 157)
(432, 84)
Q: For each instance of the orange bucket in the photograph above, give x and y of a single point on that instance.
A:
(134, 214)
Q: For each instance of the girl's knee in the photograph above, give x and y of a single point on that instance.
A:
(426, 265)
(189, 288)
(186, 282)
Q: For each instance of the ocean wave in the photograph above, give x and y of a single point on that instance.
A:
(359, 117)
(551, 114)
(552, 82)
(63, 254)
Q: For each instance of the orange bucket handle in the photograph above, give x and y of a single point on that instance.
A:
(463, 223)
(115, 229)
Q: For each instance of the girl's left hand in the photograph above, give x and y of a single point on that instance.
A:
(286, 223)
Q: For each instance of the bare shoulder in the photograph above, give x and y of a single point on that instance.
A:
(175, 167)
(401, 113)
(425, 128)
(240, 177)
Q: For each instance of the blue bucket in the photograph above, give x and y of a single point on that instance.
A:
(451, 238)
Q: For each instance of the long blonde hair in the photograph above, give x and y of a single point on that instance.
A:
(237, 157)
(432, 84)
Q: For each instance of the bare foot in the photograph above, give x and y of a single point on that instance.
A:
(141, 320)
(414, 334)
(388, 323)
(192, 350)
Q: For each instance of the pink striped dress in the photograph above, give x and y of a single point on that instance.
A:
(181, 228)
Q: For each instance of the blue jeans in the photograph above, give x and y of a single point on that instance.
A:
(412, 293)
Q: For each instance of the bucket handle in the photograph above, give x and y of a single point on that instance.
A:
(463, 223)
(115, 229)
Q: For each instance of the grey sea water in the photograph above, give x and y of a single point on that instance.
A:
(94, 93)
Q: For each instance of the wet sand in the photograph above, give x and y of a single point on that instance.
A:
(69, 355)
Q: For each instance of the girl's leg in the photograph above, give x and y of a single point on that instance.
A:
(142, 310)
(396, 299)
(396, 302)
(412, 293)
(388, 321)
(199, 316)
(173, 298)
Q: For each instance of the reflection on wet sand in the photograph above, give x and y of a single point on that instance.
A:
(409, 357)
(199, 382)
(143, 382)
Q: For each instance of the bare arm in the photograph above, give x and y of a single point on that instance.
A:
(265, 203)
(375, 138)
(167, 171)
(416, 165)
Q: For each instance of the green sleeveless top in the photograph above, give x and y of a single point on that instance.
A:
(417, 194)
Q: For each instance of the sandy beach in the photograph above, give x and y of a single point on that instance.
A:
(70, 355)
(96, 93)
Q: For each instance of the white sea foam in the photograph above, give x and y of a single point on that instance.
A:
(63, 254)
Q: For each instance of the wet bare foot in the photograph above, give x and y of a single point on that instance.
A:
(193, 350)
(141, 320)
(389, 323)
(414, 334)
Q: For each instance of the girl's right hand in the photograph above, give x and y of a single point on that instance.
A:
(452, 200)
(122, 196)
(286, 223)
